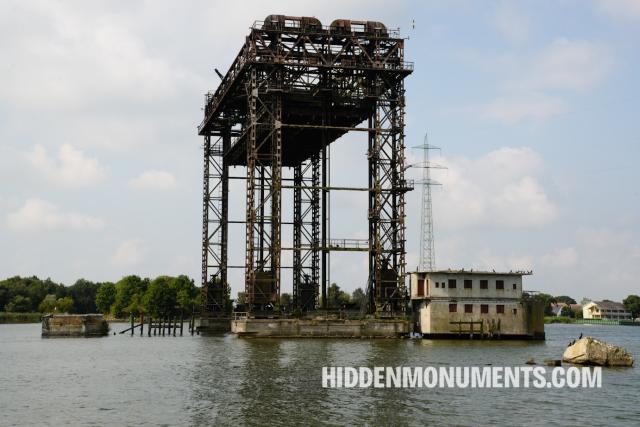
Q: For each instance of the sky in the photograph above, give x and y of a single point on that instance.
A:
(534, 105)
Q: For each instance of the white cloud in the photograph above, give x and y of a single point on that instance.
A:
(460, 251)
(81, 60)
(536, 86)
(37, 214)
(154, 180)
(600, 263)
(71, 168)
(512, 22)
(130, 252)
(499, 188)
(516, 108)
(574, 65)
(620, 9)
(560, 258)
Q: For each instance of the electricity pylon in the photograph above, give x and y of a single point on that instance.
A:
(427, 246)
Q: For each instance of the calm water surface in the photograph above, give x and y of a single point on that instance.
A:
(224, 380)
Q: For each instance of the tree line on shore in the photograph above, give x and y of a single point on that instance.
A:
(631, 303)
(164, 295)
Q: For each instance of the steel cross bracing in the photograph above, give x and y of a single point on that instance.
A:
(263, 220)
(386, 201)
(306, 234)
(291, 92)
(214, 226)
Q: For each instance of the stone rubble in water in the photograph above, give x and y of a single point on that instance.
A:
(590, 351)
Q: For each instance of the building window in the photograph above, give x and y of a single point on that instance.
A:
(420, 287)
(452, 283)
(468, 308)
(515, 311)
(453, 308)
(500, 309)
(484, 308)
(467, 283)
(515, 286)
(484, 284)
(499, 284)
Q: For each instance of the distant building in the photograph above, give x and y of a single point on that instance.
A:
(605, 310)
(556, 308)
(459, 303)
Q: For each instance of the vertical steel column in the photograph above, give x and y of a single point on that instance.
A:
(205, 223)
(263, 215)
(297, 234)
(375, 201)
(315, 226)
(276, 188)
(306, 213)
(325, 210)
(399, 189)
(224, 217)
(252, 154)
(387, 216)
(214, 228)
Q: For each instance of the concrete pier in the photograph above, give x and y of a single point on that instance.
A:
(74, 325)
(213, 325)
(316, 328)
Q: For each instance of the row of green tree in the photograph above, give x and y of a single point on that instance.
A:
(31, 294)
(161, 296)
(131, 295)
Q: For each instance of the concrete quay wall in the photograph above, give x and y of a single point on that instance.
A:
(303, 328)
(74, 325)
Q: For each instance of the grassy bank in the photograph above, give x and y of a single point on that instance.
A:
(559, 319)
(19, 317)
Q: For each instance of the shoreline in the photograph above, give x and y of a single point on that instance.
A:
(36, 317)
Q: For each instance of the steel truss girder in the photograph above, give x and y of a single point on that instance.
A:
(306, 57)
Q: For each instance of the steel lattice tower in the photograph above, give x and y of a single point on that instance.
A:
(427, 244)
(295, 87)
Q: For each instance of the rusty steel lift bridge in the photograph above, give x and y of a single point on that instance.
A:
(295, 87)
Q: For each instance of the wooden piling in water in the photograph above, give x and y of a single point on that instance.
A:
(181, 321)
(149, 326)
(131, 318)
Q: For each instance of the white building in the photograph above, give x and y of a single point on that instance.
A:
(605, 310)
(459, 303)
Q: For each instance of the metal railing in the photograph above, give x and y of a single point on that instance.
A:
(348, 243)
